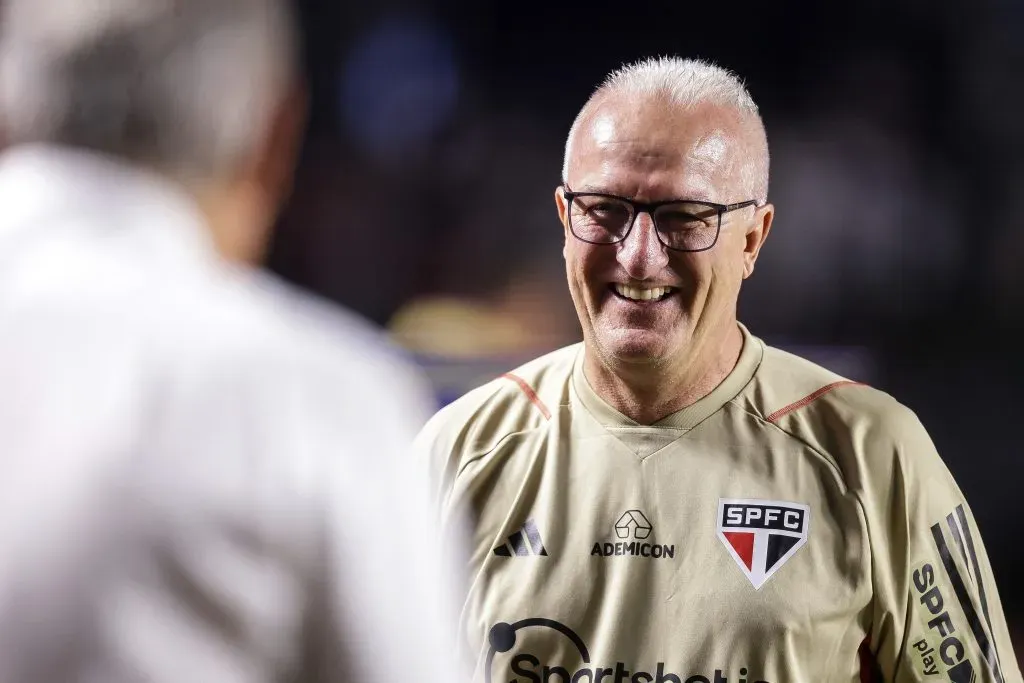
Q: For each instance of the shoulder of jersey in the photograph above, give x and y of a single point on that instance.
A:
(521, 400)
(854, 425)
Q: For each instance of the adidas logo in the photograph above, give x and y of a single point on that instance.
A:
(522, 542)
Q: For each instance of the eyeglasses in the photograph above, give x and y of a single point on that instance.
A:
(681, 225)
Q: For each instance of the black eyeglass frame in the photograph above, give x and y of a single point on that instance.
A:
(650, 208)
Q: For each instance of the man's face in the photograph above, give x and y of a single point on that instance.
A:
(649, 152)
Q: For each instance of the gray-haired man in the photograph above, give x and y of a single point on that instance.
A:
(674, 501)
(205, 476)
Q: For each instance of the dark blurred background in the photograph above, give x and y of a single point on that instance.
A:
(424, 200)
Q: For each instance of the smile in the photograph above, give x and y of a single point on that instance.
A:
(642, 293)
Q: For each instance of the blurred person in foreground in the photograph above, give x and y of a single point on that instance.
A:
(673, 500)
(203, 475)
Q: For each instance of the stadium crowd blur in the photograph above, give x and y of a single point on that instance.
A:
(897, 150)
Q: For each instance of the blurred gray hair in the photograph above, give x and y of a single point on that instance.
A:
(186, 86)
(687, 83)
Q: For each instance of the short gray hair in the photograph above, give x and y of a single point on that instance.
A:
(187, 86)
(687, 83)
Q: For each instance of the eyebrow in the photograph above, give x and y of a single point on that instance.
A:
(592, 188)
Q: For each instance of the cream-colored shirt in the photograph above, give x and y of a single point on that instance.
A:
(790, 527)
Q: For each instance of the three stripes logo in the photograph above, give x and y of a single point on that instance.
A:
(951, 650)
(523, 543)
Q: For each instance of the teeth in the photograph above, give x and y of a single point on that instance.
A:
(641, 294)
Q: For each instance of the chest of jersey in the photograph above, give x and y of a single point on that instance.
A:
(730, 553)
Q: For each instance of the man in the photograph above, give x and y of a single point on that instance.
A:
(673, 501)
(203, 474)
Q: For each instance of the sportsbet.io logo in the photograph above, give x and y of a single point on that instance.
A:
(528, 667)
(633, 524)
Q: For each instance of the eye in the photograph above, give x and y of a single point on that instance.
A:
(678, 220)
(605, 209)
(601, 210)
(679, 217)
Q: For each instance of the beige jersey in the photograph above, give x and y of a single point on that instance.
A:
(791, 527)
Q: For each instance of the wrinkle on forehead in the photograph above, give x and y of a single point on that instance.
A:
(651, 151)
(711, 148)
(616, 133)
(714, 156)
(604, 129)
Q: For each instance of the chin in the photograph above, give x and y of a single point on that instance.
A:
(637, 348)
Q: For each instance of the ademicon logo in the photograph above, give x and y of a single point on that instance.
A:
(526, 667)
(634, 524)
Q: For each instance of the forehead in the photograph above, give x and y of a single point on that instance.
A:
(656, 151)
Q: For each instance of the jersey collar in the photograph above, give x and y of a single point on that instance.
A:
(689, 417)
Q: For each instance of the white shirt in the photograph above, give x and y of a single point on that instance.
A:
(201, 476)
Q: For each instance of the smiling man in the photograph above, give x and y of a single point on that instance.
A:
(674, 501)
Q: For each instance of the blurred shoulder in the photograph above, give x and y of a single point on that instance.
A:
(253, 328)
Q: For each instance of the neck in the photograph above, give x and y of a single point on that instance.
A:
(647, 393)
(236, 219)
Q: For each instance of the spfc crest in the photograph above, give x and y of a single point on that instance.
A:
(762, 534)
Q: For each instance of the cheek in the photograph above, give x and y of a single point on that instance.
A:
(723, 275)
(695, 269)
(582, 262)
(725, 261)
(733, 267)
(708, 277)
(586, 268)
(574, 274)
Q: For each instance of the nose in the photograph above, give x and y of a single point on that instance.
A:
(641, 254)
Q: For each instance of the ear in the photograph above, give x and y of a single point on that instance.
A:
(563, 214)
(563, 206)
(274, 166)
(757, 233)
(263, 184)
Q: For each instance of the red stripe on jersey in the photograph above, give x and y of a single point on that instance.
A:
(869, 672)
(530, 394)
(810, 398)
(743, 543)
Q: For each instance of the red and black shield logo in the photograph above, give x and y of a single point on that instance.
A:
(761, 535)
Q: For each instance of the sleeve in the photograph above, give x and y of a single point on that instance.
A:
(449, 441)
(439, 450)
(436, 451)
(936, 613)
(388, 579)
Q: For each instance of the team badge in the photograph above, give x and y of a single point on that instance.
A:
(761, 535)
